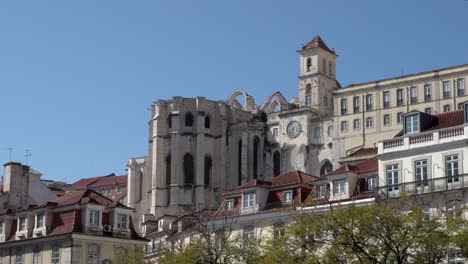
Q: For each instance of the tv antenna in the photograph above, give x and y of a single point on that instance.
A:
(27, 155)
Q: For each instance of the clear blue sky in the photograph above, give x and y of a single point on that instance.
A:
(77, 77)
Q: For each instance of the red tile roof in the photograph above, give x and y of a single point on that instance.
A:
(317, 42)
(83, 183)
(364, 152)
(368, 165)
(110, 180)
(407, 75)
(447, 119)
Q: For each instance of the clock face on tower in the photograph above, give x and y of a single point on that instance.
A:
(293, 129)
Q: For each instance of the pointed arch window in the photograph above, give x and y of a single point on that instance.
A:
(255, 157)
(188, 169)
(168, 170)
(208, 170)
(239, 162)
(140, 186)
(308, 94)
(276, 163)
(169, 121)
(207, 122)
(326, 168)
(189, 119)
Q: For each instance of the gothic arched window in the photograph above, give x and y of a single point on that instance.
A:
(188, 169)
(140, 186)
(326, 168)
(239, 162)
(276, 163)
(168, 169)
(207, 122)
(255, 156)
(189, 119)
(208, 170)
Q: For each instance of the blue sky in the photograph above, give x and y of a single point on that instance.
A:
(77, 77)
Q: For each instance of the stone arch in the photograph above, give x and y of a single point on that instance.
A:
(273, 101)
(249, 104)
(325, 167)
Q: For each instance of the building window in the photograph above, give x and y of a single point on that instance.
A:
(278, 230)
(55, 255)
(308, 99)
(93, 217)
(220, 239)
(308, 94)
(19, 256)
(209, 170)
(452, 167)
(461, 87)
(249, 232)
(399, 96)
(122, 221)
(93, 254)
(276, 163)
(356, 105)
(446, 89)
(369, 102)
(249, 200)
(392, 176)
(119, 189)
(412, 124)
(386, 99)
(188, 169)
(320, 191)
(1, 226)
(344, 106)
(428, 111)
(326, 168)
(414, 95)
(399, 117)
(330, 131)
(454, 209)
(288, 196)
(39, 220)
(386, 120)
(369, 122)
(460, 106)
(308, 64)
(229, 205)
(356, 124)
(318, 132)
(275, 132)
(189, 120)
(207, 122)
(339, 187)
(421, 167)
(22, 223)
(446, 108)
(371, 183)
(344, 126)
(427, 92)
(37, 256)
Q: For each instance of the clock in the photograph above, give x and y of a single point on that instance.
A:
(293, 129)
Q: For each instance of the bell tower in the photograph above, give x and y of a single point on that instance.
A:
(317, 77)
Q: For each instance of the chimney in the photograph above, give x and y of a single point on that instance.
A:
(15, 177)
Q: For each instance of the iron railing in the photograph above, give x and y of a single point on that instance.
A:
(440, 184)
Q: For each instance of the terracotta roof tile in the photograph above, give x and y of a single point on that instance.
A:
(447, 119)
(317, 42)
(110, 180)
(364, 152)
(368, 165)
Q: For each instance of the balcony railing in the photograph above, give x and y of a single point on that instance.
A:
(433, 185)
(423, 139)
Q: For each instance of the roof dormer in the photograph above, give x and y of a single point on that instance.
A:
(415, 122)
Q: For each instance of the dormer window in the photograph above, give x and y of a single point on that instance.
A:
(412, 123)
(288, 196)
(121, 221)
(229, 205)
(160, 223)
(320, 191)
(339, 187)
(93, 217)
(22, 223)
(249, 200)
(39, 220)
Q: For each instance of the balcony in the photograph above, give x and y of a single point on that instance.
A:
(344, 111)
(386, 104)
(427, 98)
(446, 94)
(424, 139)
(441, 184)
(414, 100)
(369, 107)
(461, 92)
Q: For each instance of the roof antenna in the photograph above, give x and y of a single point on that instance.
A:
(27, 155)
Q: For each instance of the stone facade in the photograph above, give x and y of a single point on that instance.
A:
(200, 148)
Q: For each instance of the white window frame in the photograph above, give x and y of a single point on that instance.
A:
(446, 89)
(427, 92)
(229, 204)
(414, 94)
(22, 226)
(275, 132)
(55, 254)
(248, 232)
(392, 176)
(320, 191)
(344, 106)
(386, 99)
(371, 183)
(339, 187)
(37, 255)
(369, 122)
(288, 196)
(122, 221)
(387, 120)
(447, 108)
(356, 105)
(413, 125)
(461, 86)
(369, 103)
(308, 99)
(248, 200)
(94, 217)
(40, 216)
(344, 126)
(428, 112)
(356, 124)
(94, 254)
(452, 167)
